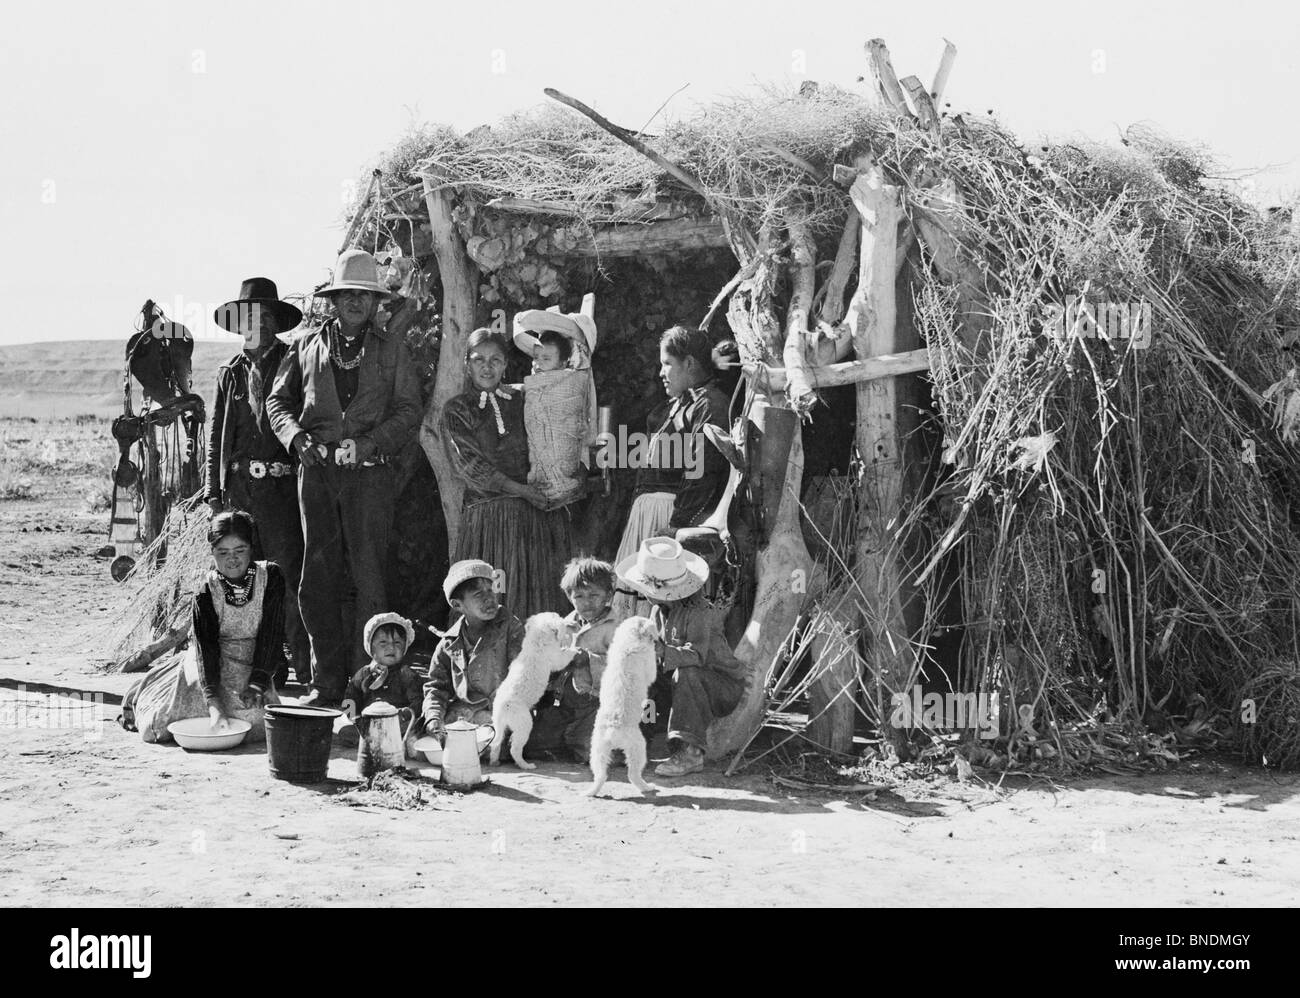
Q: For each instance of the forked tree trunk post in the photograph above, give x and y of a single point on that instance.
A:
(783, 564)
(459, 299)
(783, 568)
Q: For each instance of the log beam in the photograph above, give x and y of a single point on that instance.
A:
(850, 372)
(678, 235)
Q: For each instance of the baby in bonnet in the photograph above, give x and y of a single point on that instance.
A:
(559, 398)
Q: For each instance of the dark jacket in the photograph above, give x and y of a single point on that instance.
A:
(386, 408)
(692, 633)
(682, 420)
(235, 434)
(402, 688)
(481, 455)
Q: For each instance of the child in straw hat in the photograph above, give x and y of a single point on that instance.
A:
(699, 674)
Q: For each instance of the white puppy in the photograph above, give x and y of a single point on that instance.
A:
(547, 649)
(629, 670)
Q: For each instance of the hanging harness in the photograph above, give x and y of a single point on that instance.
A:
(158, 452)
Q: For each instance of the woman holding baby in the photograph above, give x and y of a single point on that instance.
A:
(507, 522)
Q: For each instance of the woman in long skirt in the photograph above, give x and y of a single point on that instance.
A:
(506, 522)
(685, 475)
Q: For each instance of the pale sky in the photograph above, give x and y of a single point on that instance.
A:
(170, 150)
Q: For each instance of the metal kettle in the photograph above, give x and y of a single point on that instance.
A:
(460, 754)
(381, 745)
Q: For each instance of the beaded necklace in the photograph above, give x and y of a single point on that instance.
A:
(336, 351)
(239, 593)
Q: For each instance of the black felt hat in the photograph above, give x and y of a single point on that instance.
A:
(258, 291)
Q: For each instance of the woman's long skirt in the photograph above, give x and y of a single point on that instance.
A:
(530, 546)
(648, 518)
(172, 691)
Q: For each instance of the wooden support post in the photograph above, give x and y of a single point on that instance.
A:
(945, 228)
(794, 352)
(886, 79)
(831, 698)
(940, 83)
(925, 108)
(877, 567)
(832, 307)
(459, 299)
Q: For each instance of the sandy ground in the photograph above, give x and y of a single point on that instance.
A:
(92, 815)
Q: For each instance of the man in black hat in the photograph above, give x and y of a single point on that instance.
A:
(247, 466)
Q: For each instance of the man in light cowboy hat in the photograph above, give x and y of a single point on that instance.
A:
(247, 466)
(699, 674)
(346, 400)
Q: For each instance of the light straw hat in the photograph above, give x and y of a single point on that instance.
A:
(356, 270)
(576, 326)
(662, 569)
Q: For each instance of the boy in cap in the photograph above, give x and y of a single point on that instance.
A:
(475, 652)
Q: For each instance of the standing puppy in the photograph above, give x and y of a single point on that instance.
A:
(545, 651)
(629, 671)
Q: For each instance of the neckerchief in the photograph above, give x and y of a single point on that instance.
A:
(255, 388)
(497, 393)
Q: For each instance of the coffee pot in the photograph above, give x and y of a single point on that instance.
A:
(381, 745)
(460, 754)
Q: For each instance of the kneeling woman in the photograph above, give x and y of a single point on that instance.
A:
(506, 522)
(238, 642)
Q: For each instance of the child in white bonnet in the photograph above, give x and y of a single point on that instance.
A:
(559, 399)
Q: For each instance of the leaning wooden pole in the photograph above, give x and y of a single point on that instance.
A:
(459, 299)
(877, 563)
